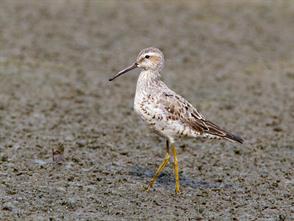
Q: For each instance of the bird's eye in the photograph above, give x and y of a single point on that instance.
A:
(147, 56)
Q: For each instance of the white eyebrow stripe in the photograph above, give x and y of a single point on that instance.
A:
(151, 54)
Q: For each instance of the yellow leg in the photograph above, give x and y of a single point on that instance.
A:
(176, 168)
(160, 168)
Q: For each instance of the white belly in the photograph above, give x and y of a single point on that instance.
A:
(159, 123)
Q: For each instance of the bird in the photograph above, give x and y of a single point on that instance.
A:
(168, 114)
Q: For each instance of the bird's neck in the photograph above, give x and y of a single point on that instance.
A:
(147, 76)
(147, 80)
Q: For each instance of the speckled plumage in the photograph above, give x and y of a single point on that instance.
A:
(166, 112)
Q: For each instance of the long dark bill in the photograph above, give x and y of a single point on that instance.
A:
(133, 66)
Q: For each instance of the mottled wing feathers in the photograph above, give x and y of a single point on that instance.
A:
(180, 109)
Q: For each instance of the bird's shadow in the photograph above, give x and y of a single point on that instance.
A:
(167, 179)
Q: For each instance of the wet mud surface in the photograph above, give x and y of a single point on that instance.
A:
(234, 60)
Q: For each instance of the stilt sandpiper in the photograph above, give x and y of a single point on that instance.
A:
(166, 112)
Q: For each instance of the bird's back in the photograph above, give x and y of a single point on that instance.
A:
(170, 114)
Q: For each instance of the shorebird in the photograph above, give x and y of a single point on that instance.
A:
(167, 113)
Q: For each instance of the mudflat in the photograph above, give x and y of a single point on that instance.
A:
(233, 60)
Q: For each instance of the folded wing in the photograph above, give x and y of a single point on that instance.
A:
(177, 108)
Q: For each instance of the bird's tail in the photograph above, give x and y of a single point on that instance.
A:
(213, 129)
(233, 137)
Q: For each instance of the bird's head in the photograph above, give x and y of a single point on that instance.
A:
(148, 59)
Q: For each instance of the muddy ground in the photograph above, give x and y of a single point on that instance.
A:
(234, 60)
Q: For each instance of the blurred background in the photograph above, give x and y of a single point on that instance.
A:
(234, 60)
